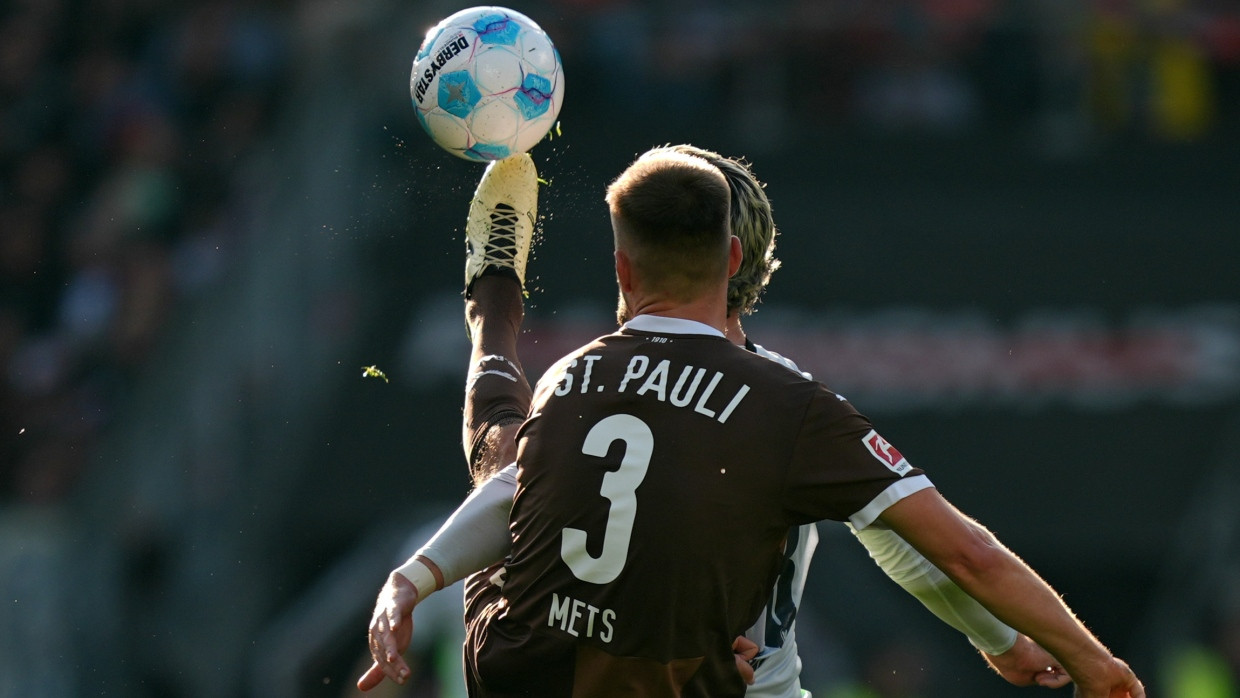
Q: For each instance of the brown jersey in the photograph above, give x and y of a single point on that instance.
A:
(660, 470)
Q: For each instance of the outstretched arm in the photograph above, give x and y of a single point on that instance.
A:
(919, 577)
(1016, 658)
(973, 558)
(474, 537)
(1027, 664)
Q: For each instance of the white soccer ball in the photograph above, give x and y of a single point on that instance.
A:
(487, 83)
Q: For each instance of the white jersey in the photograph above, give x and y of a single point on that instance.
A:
(777, 668)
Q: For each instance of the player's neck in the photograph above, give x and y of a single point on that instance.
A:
(707, 311)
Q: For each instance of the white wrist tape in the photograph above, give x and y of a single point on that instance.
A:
(476, 535)
(421, 577)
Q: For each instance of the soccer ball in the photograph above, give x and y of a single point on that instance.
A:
(487, 83)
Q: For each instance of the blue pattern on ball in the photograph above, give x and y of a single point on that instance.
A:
(489, 151)
(534, 97)
(497, 29)
(487, 83)
(457, 93)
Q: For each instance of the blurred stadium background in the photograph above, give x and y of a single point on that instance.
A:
(1009, 231)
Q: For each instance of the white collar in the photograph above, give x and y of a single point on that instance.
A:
(657, 324)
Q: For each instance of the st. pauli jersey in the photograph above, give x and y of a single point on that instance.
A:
(660, 471)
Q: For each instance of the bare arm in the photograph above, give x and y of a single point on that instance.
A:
(975, 560)
(935, 590)
(1013, 656)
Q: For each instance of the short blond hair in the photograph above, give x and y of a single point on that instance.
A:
(670, 211)
(753, 222)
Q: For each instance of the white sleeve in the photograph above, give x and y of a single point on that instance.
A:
(474, 537)
(927, 583)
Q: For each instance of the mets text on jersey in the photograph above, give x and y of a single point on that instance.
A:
(580, 619)
(684, 390)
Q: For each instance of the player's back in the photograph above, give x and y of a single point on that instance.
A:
(650, 514)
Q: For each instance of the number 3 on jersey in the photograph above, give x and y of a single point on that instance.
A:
(620, 488)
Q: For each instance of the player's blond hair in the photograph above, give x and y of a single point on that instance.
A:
(752, 222)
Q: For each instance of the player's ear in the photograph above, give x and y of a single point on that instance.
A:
(624, 271)
(736, 255)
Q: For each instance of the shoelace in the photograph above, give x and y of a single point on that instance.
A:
(501, 245)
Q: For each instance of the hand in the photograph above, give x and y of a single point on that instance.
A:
(1112, 680)
(1027, 664)
(744, 650)
(391, 629)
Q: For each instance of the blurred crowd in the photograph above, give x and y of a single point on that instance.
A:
(788, 70)
(125, 126)
(123, 122)
(121, 126)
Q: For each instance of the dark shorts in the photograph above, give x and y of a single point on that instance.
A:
(517, 665)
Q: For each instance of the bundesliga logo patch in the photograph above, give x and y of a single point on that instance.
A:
(882, 449)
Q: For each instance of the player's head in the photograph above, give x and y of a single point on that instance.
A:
(752, 222)
(670, 212)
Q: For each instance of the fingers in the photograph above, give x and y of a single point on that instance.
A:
(391, 628)
(393, 616)
(373, 677)
(381, 635)
(745, 670)
(745, 647)
(1135, 688)
(385, 652)
(744, 650)
(1053, 677)
(1128, 686)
